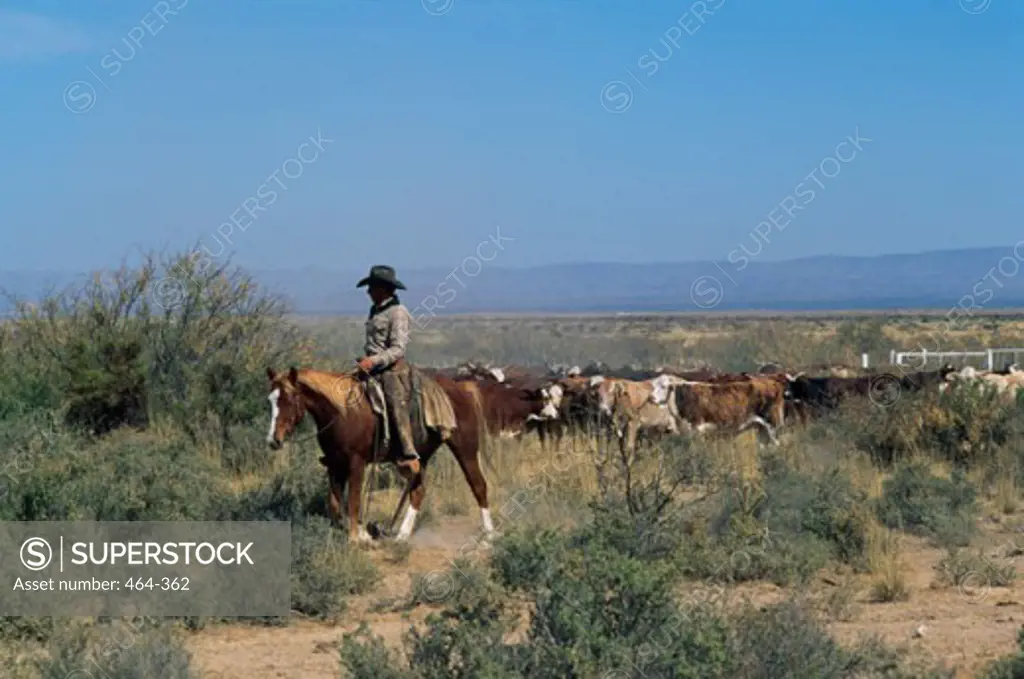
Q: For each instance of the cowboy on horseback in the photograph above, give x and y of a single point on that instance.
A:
(387, 337)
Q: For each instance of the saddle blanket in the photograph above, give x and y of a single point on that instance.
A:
(429, 407)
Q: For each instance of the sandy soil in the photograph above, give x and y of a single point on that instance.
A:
(962, 627)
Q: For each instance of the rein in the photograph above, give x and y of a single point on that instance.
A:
(318, 431)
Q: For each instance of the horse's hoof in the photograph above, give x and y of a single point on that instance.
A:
(376, 531)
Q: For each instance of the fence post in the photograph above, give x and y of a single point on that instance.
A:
(892, 357)
(864, 361)
(990, 358)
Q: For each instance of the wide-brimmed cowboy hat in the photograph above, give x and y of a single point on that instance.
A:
(381, 274)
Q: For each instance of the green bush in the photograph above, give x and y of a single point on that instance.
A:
(325, 569)
(365, 656)
(966, 426)
(523, 560)
(117, 652)
(1009, 667)
(166, 339)
(20, 628)
(783, 530)
(291, 494)
(158, 479)
(600, 613)
(917, 501)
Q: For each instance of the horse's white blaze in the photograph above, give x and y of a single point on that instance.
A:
(485, 518)
(274, 411)
(407, 524)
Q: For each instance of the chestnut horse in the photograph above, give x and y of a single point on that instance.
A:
(346, 425)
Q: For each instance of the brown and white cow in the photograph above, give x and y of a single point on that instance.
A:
(629, 419)
(732, 406)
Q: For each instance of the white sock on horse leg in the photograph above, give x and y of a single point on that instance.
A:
(485, 517)
(407, 523)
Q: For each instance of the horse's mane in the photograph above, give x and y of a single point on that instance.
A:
(340, 389)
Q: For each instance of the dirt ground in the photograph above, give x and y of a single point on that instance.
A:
(962, 627)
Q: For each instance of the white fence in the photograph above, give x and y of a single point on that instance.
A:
(990, 359)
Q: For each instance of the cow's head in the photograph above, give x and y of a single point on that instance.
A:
(604, 392)
(551, 396)
(796, 387)
(286, 408)
(661, 388)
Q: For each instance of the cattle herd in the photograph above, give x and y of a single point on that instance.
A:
(627, 404)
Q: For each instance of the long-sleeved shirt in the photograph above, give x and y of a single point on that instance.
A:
(387, 333)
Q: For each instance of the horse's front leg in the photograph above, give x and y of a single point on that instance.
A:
(356, 530)
(339, 512)
(415, 490)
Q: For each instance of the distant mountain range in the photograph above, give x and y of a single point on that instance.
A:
(929, 280)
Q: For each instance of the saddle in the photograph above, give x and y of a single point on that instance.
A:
(430, 409)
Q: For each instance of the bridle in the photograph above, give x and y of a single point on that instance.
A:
(319, 431)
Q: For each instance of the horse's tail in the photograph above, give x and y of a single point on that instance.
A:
(485, 445)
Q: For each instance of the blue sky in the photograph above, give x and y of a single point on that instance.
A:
(443, 126)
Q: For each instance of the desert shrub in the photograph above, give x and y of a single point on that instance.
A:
(22, 628)
(965, 426)
(291, 494)
(785, 640)
(463, 584)
(158, 479)
(604, 610)
(523, 560)
(783, 529)
(365, 656)
(963, 568)
(975, 424)
(891, 433)
(943, 509)
(600, 613)
(1007, 667)
(325, 569)
(166, 338)
(117, 652)
(466, 640)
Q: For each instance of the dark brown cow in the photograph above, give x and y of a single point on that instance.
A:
(828, 393)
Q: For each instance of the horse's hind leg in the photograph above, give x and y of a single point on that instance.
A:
(467, 455)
